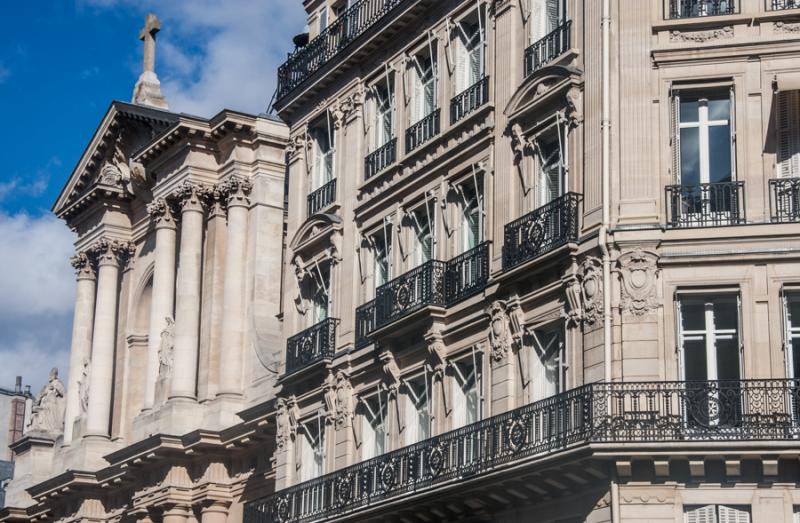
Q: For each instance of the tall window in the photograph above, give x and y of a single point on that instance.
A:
(704, 137)
(717, 514)
(467, 397)
(417, 409)
(470, 52)
(792, 335)
(423, 96)
(545, 16)
(709, 336)
(548, 366)
(373, 414)
(788, 124)
(320, 297)
(311, 461)
(383, 112)
(423, 224)
(551, 173)
(382, 256)
(322, 20)
(472, 212)
(324, 153)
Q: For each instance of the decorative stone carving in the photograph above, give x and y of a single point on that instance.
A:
(343, 400)
(501, 337)
(520, 143)
(296, 145)
(285, 421)
(390, 369)
(346, 108)
(574, 99)
(300, 274)
(47, 414)
(112, 251)
(190, 196)
(786, 27)
(83, 264)
(638, 269)
(236, 190)
(166, 348)
(436, 350)
(585, 293)
(83, 385)
(162, 212)
(701, 36)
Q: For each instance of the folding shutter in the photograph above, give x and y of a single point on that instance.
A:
(323, 19)
(705, 514)
(732, 125)
(675, 121)
(418, 98)
(733, 515)
(461, 63)
(538, 20)
(788, 123)
(552, 15)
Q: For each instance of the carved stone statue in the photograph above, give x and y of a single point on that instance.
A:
(166, 348)
(285, 421)
(83, 386)
(344, 400)
(47, 414)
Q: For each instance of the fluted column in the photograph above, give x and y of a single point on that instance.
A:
(233, 294)
(163, 296)
(187, 293)
(110, 255)
(81, 347)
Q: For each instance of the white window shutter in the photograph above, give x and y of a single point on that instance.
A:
(675, 121)
(733, 515)
(461, 64)
(538, 20)
(788, 123)
(705, 514)
(418, 97)
(552, 15)
(732, 120)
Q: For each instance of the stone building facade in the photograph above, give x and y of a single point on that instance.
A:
(15, 411)
(542, 262)
(179, 223)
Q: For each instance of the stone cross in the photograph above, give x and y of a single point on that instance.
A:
(152, 25)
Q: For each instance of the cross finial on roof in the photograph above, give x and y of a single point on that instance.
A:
(152, 25)
(148, 89)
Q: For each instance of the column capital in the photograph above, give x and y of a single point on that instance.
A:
(191, 197)
(162, 212)
(84, 264)
(112, 252)
(217, 207)
(236, 191)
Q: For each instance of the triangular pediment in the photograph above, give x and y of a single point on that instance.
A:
(104, 165)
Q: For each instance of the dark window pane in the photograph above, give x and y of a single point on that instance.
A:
(690, 156)
(796, 358)
(794, 312)
(694, 355)
(728, 359)
(694, 318)
(726, 314)
(719, 153)
(689, 112)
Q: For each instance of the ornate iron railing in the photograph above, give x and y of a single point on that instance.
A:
(467, 274)
(380, 158)
(469, 100)
(365, 323)
(317, 343)
(705, 204)
(541, 231)
(696, 8)
(350, 24)
(418, 288)
(779, 5)
(548, 48)
(423, 130)
(322, 197)
(624, 413)
(784, 199)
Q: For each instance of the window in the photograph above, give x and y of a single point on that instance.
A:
(788, 125)
(472, 212)
(544, 18)
(550, 181)
(548, 366)
(717, 514)
(470, 52)
(322, 19)
(383, 113)
(382, 255)
(417, 409)
(423, 223)
(423, 95)
(792, 336)
(704, 137)
(324, 153)
(311, 461)
(320, 297)
(373, 416)
(467, 396)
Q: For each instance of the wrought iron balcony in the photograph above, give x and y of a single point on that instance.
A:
(418, 288)
(705, 204)
(365, 323)
(779, 5)
(380, 158)
(322, 197)
(422, 131)
(467, 274)
(785, 200)
(315, 344)
(469, 100)
(538, 232)
(548, 48)
(697, 8)
(352, 23)
(687, 413)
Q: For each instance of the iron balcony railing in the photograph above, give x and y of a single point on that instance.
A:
(696, 8)
(548, 48)
(469, 100)
(779, 5)
(380, 158)
(414, 290)
(784, 200)
(365, 323)
(352, 23)
(422, 131)
(538, 232)
(315, 344)
(467, 274)
(622, 413)
(705, 204)
(322, 197)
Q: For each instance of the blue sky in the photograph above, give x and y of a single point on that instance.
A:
(61, 64)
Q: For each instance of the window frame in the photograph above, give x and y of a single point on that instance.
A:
(474, 358)
(413, 405)
(313, 446)
(370, 409)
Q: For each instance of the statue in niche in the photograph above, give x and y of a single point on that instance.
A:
(47, 414)
(165, 350)
(83, 386)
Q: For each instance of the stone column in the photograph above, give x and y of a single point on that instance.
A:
(187, 295)
(214, 512)
(174, 513)
(233, 293)
(81, 347)
(110, 254)
(163, 300)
